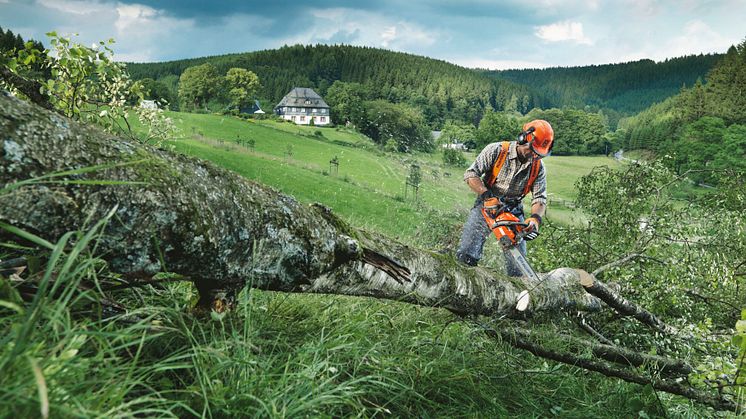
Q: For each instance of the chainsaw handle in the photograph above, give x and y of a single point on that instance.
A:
(509, 224)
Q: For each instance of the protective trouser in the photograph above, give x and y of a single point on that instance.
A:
(475, 234)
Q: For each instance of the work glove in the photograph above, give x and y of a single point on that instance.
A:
(486, 195)
(532, 229)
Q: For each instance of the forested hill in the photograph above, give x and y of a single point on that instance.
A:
(446, 91)
(703, 128)
(441, 89)
(626, 87)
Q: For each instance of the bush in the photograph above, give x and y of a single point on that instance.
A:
(453, 157)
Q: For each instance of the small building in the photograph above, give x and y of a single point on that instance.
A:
(303, 106)
(455, 146)
(254, 108)
(149, 104)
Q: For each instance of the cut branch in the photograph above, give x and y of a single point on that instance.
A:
(522, 339)
(622, 306)
(583, 324)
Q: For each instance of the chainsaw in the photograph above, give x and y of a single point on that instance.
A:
(509, 231)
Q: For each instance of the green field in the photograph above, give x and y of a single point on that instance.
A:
(368, 190)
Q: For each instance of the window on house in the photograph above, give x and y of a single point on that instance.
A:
(314, 110)
(295, 110)
(322, 119)
(323, 111)
(293, 117)
(302, 118)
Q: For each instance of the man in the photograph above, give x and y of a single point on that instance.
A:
(507, 172)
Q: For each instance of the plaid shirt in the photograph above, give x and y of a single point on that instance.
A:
(514, 175)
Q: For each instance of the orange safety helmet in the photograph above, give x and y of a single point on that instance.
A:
(539, 135)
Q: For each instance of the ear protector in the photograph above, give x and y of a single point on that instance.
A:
(525, 136)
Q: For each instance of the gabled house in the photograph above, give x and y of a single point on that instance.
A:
(254, 108)
(302, 105)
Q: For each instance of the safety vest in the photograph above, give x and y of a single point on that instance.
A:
(500, 162)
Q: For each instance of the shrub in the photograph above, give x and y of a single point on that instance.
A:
(452, 157)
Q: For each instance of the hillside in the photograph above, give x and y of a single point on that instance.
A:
(703, 128)
(442, 90)
(120, 261)
(624, 87)
(295, 159)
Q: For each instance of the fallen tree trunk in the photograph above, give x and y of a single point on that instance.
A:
(187, 216)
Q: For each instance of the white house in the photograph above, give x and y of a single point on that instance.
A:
(302, 105)
(149, 104)
(455, 146)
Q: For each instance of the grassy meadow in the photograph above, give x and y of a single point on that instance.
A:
(369, 188)
(294, 355)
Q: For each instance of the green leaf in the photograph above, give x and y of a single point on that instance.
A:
(741, 326)
(737, 340)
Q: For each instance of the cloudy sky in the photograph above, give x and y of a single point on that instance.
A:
(495, 34)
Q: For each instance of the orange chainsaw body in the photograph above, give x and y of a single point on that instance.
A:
(506, 226)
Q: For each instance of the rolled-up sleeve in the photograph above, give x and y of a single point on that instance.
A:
(539, 190)
(484, 162)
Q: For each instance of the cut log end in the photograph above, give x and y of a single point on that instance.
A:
(586, 280)
(523, 300)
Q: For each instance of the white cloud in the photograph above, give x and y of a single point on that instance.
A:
(364, 28)
(643, 7)
(388, 35)
(696, 37)
(76, 7)
(134, 15)
(563, 31)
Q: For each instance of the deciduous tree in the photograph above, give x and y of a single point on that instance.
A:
(242, 85)
(198, 84)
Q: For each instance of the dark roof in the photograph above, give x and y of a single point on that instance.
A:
(298, 97)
